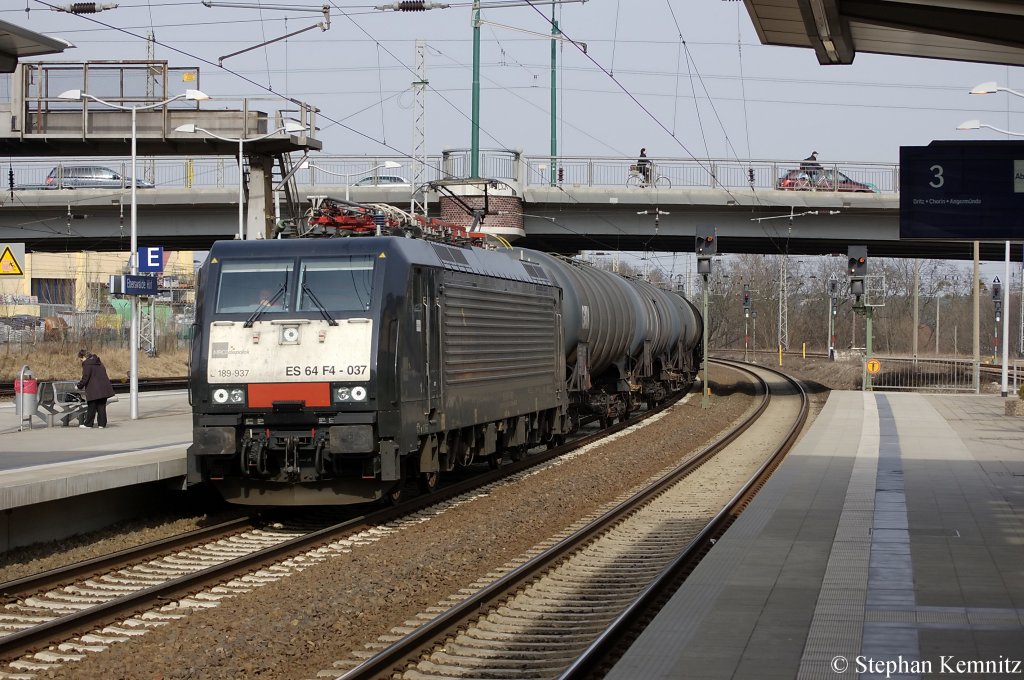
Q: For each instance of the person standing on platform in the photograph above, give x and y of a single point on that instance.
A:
(97, 388)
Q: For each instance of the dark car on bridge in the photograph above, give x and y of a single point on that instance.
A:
(90, 177)
(821, 180)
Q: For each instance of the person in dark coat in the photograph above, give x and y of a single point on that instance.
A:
(97, 388)
(811, 166)
(643, 164)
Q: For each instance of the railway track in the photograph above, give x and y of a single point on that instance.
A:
(558, 613)
(58, 617)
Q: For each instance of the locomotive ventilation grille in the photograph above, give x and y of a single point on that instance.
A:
(497, 335)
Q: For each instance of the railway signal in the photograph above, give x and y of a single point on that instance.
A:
(857, 268)
(706, 245)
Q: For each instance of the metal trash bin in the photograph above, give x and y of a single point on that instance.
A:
(26, 394)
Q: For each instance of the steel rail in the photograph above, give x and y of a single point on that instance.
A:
(439, 628)
(59, 629)
(36, 583)
(611, 636)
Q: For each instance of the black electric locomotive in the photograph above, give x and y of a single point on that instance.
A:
(324, 371)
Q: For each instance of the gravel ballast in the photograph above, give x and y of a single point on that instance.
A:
(303, 623)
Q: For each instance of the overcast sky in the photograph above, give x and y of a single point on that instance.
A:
(681, 78)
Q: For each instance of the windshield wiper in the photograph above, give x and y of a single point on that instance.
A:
(319, 305)
(264, 305)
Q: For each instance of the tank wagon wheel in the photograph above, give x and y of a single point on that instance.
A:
(428, 481)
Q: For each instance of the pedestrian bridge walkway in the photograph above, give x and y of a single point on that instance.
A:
(518, 170)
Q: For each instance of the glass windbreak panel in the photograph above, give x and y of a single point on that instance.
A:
(244, 286)
(342, 284)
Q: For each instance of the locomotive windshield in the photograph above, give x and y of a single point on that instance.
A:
(245, 287)
(340, 284)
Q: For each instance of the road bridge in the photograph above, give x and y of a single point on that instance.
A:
(592, 208)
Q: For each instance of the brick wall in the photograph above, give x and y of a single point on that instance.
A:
(510, 206)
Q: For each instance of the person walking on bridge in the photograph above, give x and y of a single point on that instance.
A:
(97, 388)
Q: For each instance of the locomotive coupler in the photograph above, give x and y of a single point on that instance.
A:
(291, 459)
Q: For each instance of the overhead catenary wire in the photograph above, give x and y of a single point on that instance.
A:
(258, 85)
(334, 120)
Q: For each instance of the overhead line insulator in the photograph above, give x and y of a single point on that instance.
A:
(86, 7)
(413, 5)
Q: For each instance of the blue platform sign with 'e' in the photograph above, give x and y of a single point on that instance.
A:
(151, 259)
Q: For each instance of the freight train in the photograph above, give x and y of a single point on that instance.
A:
(328, 371)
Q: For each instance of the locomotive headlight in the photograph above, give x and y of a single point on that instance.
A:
(220, 396)
(237, 396)
(357, 393)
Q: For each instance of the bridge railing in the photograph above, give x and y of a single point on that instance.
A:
(516, 169)
(595, 171)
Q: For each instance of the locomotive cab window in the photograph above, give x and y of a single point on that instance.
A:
(342, 284)
(246, 287)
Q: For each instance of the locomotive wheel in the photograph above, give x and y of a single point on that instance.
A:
(556, 441)
(428, 481)
(517, 453)
(495, 460)
(394, 495)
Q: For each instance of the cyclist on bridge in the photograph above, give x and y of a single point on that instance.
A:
(644, 165)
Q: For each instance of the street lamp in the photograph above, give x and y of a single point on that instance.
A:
(133, 337)
(390, 165)
(289, 127)
(977, 124)
(992, 87)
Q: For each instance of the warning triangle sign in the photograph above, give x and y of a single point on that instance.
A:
(9, 265)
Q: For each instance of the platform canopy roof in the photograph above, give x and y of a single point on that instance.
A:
(987, 31)
(17, 42)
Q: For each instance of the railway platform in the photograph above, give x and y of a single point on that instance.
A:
(45, 471)
(889, 544)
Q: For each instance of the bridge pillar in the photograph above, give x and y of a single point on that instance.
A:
(504, 216)
(259, 220)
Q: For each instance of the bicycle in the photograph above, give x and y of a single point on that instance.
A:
(638, 180)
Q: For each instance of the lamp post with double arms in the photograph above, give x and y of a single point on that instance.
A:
(992, 87)
(133, 339)
(289, 127)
